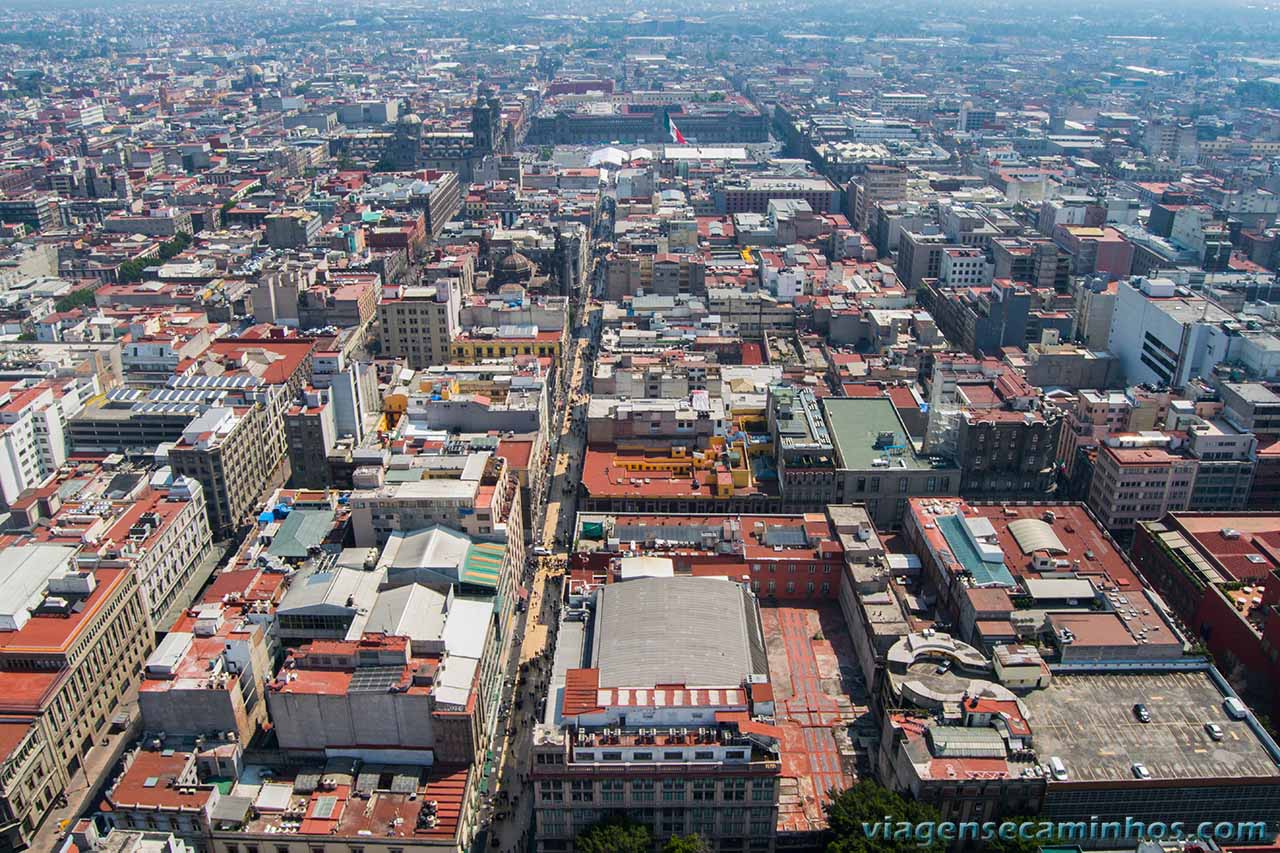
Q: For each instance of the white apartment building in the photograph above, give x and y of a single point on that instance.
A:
(965, 267)
(33, 419)
(477, 496)
(163, 536)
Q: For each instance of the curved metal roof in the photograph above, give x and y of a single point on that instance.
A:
(1033, 535)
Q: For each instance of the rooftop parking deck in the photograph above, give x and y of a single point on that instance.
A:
(1087, 720)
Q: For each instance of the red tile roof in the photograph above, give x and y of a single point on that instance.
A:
(132, 789)
(12, 731)
(55, 634)
(295, 351)
(516, 452)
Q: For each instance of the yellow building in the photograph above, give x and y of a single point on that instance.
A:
(469, 348)
(710, 465)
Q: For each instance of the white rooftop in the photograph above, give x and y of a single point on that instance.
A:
(647, 567)
(25, 571)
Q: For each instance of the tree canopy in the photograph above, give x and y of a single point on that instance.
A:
(692, 843)
(176, 246)
(618, 834)
(132, 270)
(76, 299)
(857, 822)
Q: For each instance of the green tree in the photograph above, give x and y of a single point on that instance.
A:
(545, 152)
(132, 270)
(693, 843)
(857, 816)
(75, 299)
(618, 834)
(176, 246)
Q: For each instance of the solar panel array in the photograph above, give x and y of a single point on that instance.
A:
(306, 782)
(325, 807)
(229, 380)
(396, 778)
(787, 537)
(375, 679)
(367, 781)
(405, 780)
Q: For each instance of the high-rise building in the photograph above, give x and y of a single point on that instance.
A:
(33, 422)
(1138, 479)
(224, 450)
(877, 183)
(419, 323)
(1165, 336)
(920, 257)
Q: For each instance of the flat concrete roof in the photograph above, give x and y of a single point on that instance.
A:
(1253, 392)
(856, 422)
(1087, 721)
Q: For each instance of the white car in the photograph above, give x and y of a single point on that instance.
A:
(1140, 771)
(1214, 731)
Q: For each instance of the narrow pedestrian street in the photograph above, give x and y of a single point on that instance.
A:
(508, 805)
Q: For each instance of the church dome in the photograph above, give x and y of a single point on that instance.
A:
(515, 267)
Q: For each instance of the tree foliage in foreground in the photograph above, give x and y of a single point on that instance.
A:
(693, 843)
(618, 834)
(855, 813)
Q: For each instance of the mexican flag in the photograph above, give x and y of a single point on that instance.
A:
(673, 132)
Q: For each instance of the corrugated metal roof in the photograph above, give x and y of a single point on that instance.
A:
(483, 565)
(580, 688)
(965, 742)
(300, 530)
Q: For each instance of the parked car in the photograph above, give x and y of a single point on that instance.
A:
(1235, 709)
